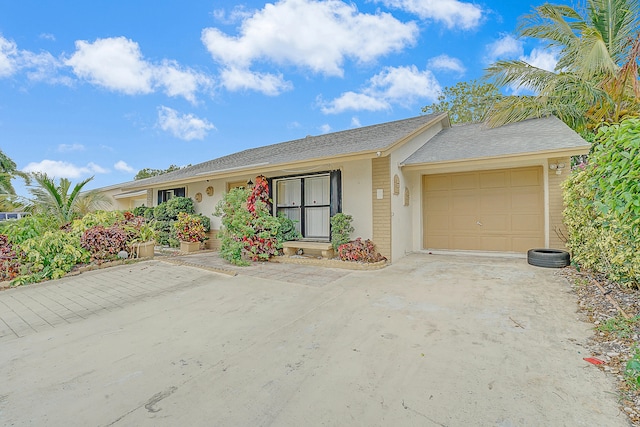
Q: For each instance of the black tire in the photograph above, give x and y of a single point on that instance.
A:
(550, 258)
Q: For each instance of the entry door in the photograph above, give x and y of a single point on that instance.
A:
(496, 210)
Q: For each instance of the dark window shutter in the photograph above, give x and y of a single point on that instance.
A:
(160, 198)
(335, 191)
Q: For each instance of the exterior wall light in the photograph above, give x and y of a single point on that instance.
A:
(558, 167)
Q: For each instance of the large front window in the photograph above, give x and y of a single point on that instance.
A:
(307, 201)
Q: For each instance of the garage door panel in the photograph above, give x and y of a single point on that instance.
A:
(497, 179)
(529, 177)
(463, 181)
(501, 210)
(438, 223)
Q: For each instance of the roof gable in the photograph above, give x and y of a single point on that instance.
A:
(474, 141)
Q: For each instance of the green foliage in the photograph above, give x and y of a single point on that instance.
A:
(341, 229)
(144, 211)
(189, 228)
(206, 222)
(596, 77)
(602, 201)
(619, 326)
(359, 251)
(93, 219)
(287, 229)
(28, 227)
(166, 234)
(148, 172)
(632, 369)
(169, 210)
(466, 102)
(50, 256)
(236, 220)
(248, 228)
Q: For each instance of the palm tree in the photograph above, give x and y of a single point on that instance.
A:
(8, 171)
(57, 201)
(596, 77)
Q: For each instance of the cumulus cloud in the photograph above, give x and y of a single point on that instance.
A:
(242, 79)
(8, 57)
(122, 166)
(314, 35)
(325, 128)
(70, 147)
(183, 126)
(355, 122)
(61, 169)
(393, 86)
(118, 64)
(542, 58)
(446, 63)
(506, 47)
(452, 13)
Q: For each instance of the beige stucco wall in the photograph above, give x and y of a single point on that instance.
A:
(557, 229)
(402, 217)
(356, 196)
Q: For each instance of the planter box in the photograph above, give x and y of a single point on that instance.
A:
(188, 247)
(144, 249)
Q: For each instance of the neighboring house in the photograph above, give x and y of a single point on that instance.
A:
(410, 185)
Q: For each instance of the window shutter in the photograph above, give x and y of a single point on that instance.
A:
(336, 192)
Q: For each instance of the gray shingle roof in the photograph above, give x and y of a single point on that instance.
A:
(361, 140)
(473, 141)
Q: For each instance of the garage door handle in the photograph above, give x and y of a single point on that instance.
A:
(478, 222)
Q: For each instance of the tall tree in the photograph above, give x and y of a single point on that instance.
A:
(61, 201)
(148, 172)
(596, 76)
(466, 102)
(9, 171)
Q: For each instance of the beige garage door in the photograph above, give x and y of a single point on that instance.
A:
(496, 210)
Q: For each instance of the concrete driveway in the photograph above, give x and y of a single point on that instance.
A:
(433, 340)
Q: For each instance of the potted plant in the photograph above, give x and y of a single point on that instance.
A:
(190, 232)
(144, 243)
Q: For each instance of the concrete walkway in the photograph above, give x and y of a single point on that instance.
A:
(430, 341)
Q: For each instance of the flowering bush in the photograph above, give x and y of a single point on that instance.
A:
(189, 228)
(360, 251)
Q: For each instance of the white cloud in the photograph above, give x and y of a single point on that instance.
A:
(70, 147)
(507, 47)
(452, 13)
(48, 36)
(355, 122)
(241, 79)
(8, 57)
(183, 126)
(393, 86)
(117, 64)
(325, 128)
(318, 36)
(446, 63)
(122, 166)
(542, 58)
(61, 169)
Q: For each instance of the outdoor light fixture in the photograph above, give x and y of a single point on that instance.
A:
(249, 183)
(557, 167)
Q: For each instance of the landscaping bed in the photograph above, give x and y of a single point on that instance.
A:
(616, 337)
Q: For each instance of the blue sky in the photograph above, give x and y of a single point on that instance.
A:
(106, 88)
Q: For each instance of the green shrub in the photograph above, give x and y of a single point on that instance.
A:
(236, 220)
(50, 256)
(205, 221)
(189, 228)
(287, 229)
(166, 233)
(29, 227)
(341, 229)
(103, 218)
(602, 201)
(176, 205)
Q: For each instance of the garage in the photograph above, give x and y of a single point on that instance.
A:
(494, 210)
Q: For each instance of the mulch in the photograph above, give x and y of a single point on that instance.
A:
(601, 300)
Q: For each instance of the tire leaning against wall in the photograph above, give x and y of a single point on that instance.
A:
(549, 258)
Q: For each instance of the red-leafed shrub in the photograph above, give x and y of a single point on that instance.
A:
(104, 242)
(9, 261)
(360, 251)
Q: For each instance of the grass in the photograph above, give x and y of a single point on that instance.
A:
(619, 326)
